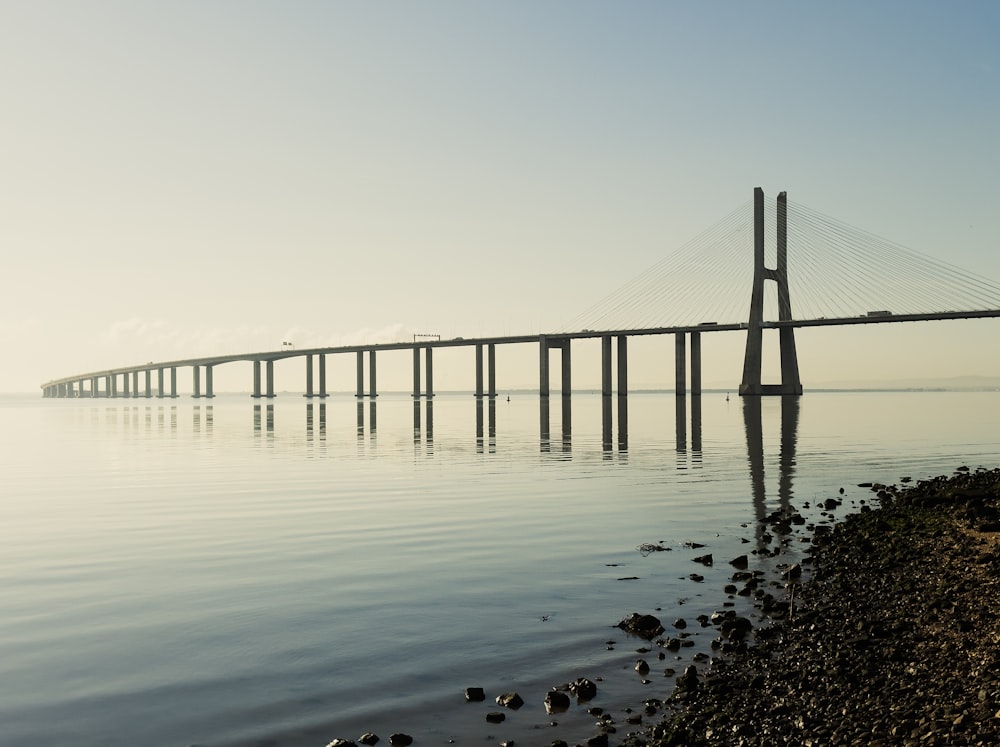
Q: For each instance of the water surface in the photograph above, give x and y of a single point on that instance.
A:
(220, 572)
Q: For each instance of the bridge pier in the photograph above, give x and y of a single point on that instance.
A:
(429, 365)
(322, 377)
(544, 345)
(149, 384)
(309, 376)
(269, 371)
(208, 382)
(790, 382)
(361, 374)
(196, 381)
(159, 383)
(125, 391)
(256, 380)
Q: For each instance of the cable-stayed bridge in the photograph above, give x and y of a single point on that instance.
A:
(824, 273)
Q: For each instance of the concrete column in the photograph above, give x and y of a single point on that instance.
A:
(322, 376)
(361, 374)
(256, 380)
(429, 363)
(491, 363)
(79, 387)
(149, 383)
(696, 364)
(755, 335)
(68, 390)
(543, 367)
(680, 365)
(309, 375)
(622, 366)
(159, 383)
(269, 369)
(135, 384)
(94, 388)
(208, 382)
(113, 384)
(372, 391)
(196, 381)
(173, 381)
(606, 365)
(479, 370)
(566, 377)
(416, 371)
(125, 392)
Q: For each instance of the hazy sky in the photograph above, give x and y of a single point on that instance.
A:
(188, 178)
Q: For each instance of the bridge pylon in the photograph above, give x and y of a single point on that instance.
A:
(790, 382)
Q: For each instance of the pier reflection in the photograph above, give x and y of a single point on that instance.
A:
(565, 445)
(753, 423)
(490, 441)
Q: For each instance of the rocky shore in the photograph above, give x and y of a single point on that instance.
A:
(893, 639)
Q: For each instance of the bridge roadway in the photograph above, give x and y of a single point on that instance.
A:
(75, 386)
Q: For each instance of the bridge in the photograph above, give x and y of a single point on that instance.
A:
(906, 286)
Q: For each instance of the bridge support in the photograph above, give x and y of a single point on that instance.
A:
(196, 381)
(544, 345)
(209, 392)
(790, 383)
(173, 382)
(159, 383)
(149, 383)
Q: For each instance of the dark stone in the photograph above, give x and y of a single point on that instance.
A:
(704, 559)
(368, 738)
(644, 626)
(601, 740)
(510, 700)
(583, 689)
(740, 563)
(495, 717)
(400, 740)
(642, 667)
(680, 623)
(556, 701)
(474, 695)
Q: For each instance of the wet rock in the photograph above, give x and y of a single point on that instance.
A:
(601, 740)
(342, 743)
(644, 626)
(368, 738)
(495, 717)
(556, 701)
(642, 667)
(704, 559)
(680, 623)
(400, 740)
(583, 689)
(474, 695)
(510, 700)
(697, 578)
(740, 562)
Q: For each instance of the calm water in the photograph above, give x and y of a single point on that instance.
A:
(182, 573)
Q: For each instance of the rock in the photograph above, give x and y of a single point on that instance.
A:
(400, 740)
(680, 623)
(704, 559)
(510, 700)
(601, 740)
(474, 695)
(740, 563)
(495, 717)
(642, 667)
(697, 578)
(368, 738)
(556, 701)
(583, 689)
(342, 743)
(644, 626)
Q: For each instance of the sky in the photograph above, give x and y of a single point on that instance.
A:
(182, 178)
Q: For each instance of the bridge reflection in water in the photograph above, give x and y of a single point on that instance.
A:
(614, 411)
